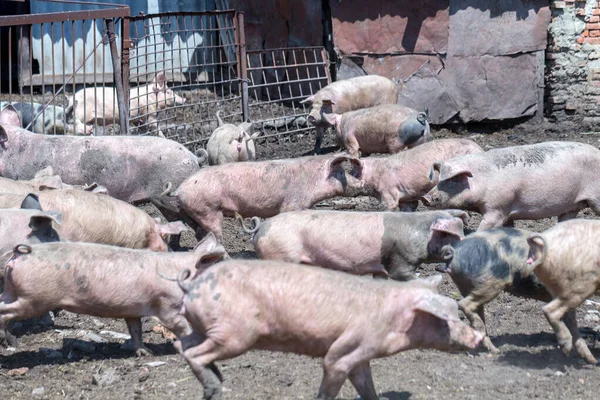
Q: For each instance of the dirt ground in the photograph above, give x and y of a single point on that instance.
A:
(529, 365)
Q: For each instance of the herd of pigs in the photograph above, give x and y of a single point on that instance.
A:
(341, 285)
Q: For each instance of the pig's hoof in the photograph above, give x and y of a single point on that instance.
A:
(143, 352)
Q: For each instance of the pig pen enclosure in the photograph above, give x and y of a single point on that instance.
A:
(207, 63)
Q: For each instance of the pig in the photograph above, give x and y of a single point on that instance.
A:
(98, 105)
(566, 259)
(388, 128)
(379, 243)
(9, 115)
(134, 169)
(261, 188)
(98, 280)
(230, 143)
(484, 264)
(348, 320)
(400, 180)
(43, 180)
(97, 218)
(348, 95)
(48, 120)
(520, 182)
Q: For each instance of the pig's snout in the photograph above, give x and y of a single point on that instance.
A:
(239, 147)
(312, 119)
(426, 200)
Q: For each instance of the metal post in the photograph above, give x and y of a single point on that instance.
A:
(243, 67)
(125, 46)
(117, 77)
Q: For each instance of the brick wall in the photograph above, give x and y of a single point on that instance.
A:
(572, 81)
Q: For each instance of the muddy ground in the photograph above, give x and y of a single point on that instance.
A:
(529, 365)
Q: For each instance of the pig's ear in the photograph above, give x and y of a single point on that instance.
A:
(433, 281)
(208, 243)
(160, 80)
(357, 165)
(246, 126)
(435, 167)
(439, 306)
(452, 226)
(3, 135)
(44, 220)
(538, 249)
(450, 173)
(309, 100)
(460, 214)
(50, 183)
(31, 202)
(171, 228)
(328, 102)
(11, 115)
(208, 259)
(45, 172)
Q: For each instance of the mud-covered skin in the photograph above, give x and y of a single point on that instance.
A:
(486, 263)
(262, 188)
(99, 280)
(345, 319)
(401, 179)
(387, 243)
(537, 181)
(134, 169)
(348, 95)
(566, 259)
(96, 218)
(387, 128)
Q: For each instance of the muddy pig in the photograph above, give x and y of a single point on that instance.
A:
(378, 243)
(48, 120)
(348, 320)
(348, 95)
(566, 259)
(520, 182)
(231, 143)
(134, 169)
(8, 114)
(97, 218)
(261, 188)
(401, 180)
(486, 263)
(387, 128)
(98, 280)
(99, 105)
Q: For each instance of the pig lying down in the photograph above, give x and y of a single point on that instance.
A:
(361, 243)
(231, 143)
(42, 180)
(387, 128)
(50, 120)
(347, 95)
(486, 263)
(99, 105)
(347, 320)
(566, 259)
(520, 182)
(261, 188)
(98, 280)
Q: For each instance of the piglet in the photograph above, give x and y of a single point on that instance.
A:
(347, 320)
(388, 128)
(566, 259)
(98, 280)
(347, 95)
(486, 263)
(520, 182)
(231, 143)
(379, 243)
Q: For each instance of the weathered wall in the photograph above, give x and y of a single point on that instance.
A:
(572, 89)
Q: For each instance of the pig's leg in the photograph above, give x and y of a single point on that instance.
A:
(408, 206)
(200, 352)
(134, 325)
(554, 312)
(351, 145)
(492, 219)
(582, 349)
(213, 222)
(567, 216)
(390, 200)
(362, 380)
(319, 138)
(472, 307)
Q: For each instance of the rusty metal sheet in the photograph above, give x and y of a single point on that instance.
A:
(398, 68)
(479, 27)
(281, 23)
(493, 88)
(424, 90)
(384, 26)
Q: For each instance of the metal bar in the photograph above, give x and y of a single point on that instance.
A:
(123, 110)
(27, 19)
(182, 13)
(125, 45)
(242, 65)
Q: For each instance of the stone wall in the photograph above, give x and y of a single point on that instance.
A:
(572, 81)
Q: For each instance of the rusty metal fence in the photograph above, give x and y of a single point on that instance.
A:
(73, 72)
